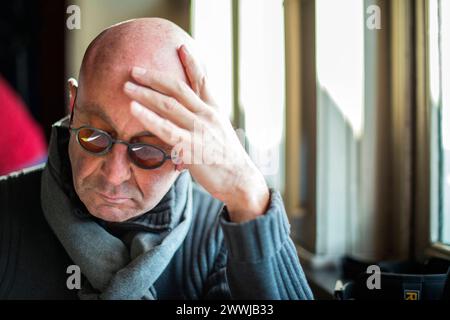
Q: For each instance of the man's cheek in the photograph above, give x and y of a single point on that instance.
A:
(77, 159)
(153, 179)
(83, 165)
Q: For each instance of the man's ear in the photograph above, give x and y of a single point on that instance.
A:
(73, 88)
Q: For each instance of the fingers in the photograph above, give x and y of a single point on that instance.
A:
(169, 86)
(164, 105)
(192, 68)
(162, 128)
(196, 75)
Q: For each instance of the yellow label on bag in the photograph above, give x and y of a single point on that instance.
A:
(411, 295)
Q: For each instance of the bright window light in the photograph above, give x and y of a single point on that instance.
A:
(261, 82)
(445, 56)
(445, 114)
(340, 56)
(439, 63)
(211, 27)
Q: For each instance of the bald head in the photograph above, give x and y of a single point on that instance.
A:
(102, 103)
(151, 43)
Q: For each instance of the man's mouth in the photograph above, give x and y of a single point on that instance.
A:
(116, 199)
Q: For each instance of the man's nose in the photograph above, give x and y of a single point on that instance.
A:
(116, 166)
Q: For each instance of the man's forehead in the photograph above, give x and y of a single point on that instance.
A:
(150, 43)
(93, 109)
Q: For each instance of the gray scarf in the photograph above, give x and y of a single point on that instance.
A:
(113, 269)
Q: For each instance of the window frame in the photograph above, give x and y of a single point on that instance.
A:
(302, 140)
(402, 57)
(300, 197)
(425, 151)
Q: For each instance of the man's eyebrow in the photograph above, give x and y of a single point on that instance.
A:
(96, 110)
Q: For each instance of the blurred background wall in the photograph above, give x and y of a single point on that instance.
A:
(32, 55)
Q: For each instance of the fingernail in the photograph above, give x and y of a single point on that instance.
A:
(130, 86)
(138, 71)
(136, 108)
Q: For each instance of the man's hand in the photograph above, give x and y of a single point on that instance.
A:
(203, 140)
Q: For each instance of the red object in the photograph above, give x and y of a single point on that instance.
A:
(22, 141)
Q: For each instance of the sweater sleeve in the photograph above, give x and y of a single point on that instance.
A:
(262, 262)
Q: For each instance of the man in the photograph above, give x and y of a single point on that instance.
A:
(117, 190)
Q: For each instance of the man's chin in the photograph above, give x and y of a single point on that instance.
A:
(112, 213)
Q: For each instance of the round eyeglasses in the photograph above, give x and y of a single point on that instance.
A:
(99, 142)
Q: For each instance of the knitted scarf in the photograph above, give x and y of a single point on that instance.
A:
(113, 267)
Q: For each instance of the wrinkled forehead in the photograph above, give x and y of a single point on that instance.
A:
(113, 66)
(107, 65)
(148, 43)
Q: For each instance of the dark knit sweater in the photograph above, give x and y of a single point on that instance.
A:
(218, 259)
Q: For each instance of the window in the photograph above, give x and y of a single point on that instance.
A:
(212, 30)
(243, 40)
(340, 57)
(354, 135)
(261, 83)
(340, 111)
(439, 61)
